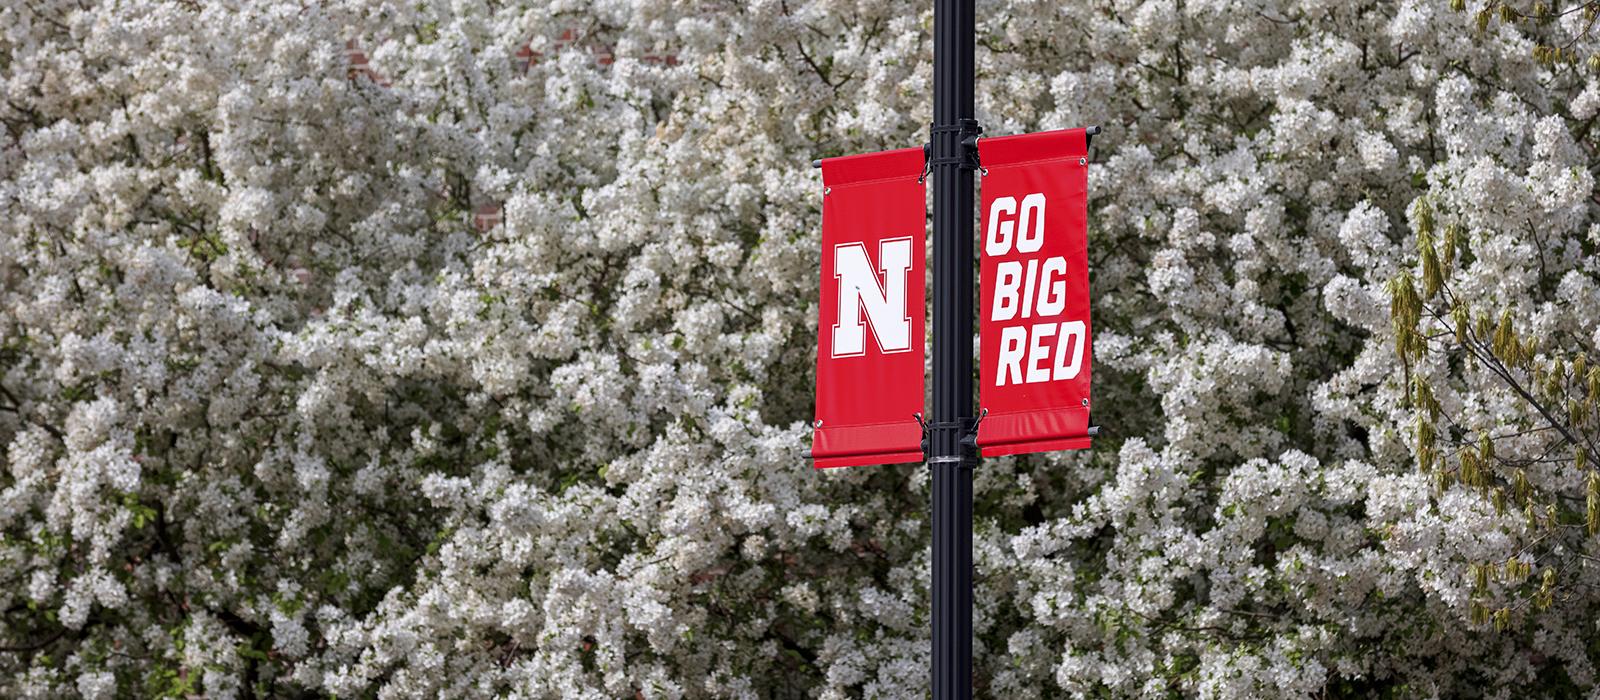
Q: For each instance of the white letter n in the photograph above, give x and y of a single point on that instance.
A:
(884, 301)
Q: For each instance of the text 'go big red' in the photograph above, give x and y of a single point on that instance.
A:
(1034, 288)
(1035, 351)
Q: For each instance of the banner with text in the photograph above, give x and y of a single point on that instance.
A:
(870, 332)
(1034, 339)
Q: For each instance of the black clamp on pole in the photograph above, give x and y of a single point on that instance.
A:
(969, 440)
(963, 432)
(967, 132)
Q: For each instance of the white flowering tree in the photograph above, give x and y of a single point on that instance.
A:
(457, 350)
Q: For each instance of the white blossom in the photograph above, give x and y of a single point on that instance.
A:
(465, 350)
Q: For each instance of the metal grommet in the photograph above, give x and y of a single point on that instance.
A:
(1085, 403)
(818, 423)
(982, 170)
(1083, 161)
(827, 191)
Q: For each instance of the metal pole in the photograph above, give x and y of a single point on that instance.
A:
(951, 456)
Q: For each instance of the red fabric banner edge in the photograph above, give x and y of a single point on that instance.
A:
(1017, 448)
(884, 458)
(871, 167)
(902, 443)
(1047, 425)
(1018, 149)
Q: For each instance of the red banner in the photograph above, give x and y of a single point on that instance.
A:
(870, 334)
(1034, 349)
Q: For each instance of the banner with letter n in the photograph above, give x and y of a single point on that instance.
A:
(1034, 337)
(870, 330)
